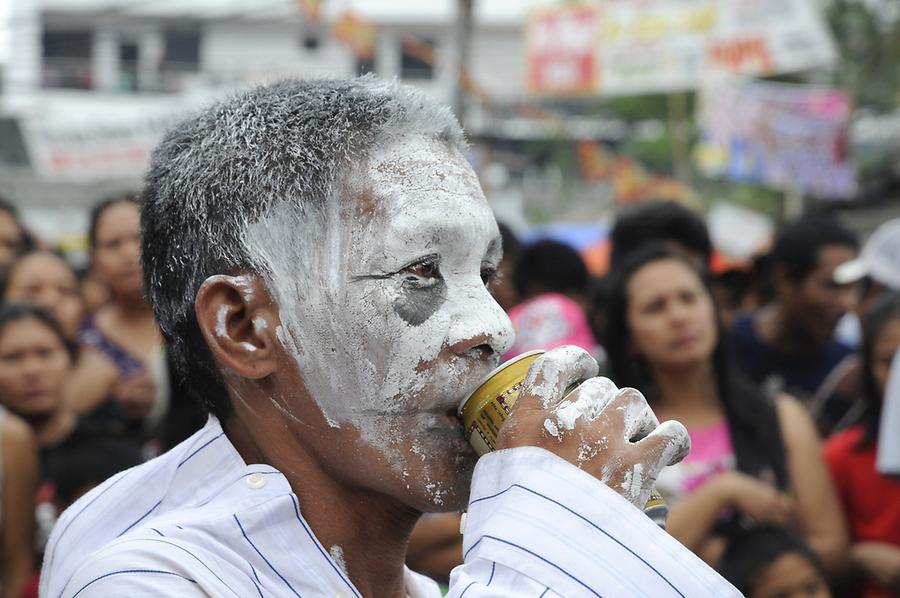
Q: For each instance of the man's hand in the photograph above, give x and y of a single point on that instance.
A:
(608, 432)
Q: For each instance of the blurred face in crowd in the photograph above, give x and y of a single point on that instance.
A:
(94, 291)
(790, 576)
(117, 249)
(671, 317)
(503, 290)
(11, 240)
(46, 280)
(33, 367)
(817, 303)
(886, 344)
(397, 324)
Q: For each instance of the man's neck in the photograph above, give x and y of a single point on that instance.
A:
(368, 530)
(778, 329)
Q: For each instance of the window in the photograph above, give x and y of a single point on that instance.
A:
(182, 49)
(128, 66)
(67, 59)
(311, 42)
(417, 57)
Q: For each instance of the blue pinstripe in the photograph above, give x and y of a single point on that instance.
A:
(315, 542)
(586, 520)
(124, 571)
(286, 582)
(142, 517)
(198, 449)
(536, 555)
(196, 558)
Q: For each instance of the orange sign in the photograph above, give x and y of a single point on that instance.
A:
(357, 33)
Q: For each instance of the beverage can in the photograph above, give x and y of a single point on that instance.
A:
(485, 409)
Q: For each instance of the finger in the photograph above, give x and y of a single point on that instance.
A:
(629, 408)
(552, 373)
(666, 445)
(595, 394)
(584, 403)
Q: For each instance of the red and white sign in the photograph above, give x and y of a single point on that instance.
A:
(561, 49)
(630, 47)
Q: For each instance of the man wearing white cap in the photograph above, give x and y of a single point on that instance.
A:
(878, 270)
(879, 262)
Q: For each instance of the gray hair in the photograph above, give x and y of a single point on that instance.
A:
(219, 173)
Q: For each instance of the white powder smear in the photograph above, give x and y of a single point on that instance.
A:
(260, 324)
(551, 427)
(555, 368)
(221, 330)
(337, 555)
(633, 485)
(244, 283)
(249, 347)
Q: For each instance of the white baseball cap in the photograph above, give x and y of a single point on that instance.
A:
(880, 258)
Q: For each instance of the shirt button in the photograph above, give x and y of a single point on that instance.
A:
(340, 595)
(462, 522)
(256, 481)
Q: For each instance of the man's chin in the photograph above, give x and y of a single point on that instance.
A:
(449, 493)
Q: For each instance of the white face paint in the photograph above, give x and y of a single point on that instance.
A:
(391, 323)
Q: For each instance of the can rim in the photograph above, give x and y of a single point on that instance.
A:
(490, 375)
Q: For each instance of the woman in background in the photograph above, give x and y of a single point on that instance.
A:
(45, 279)
(752, 460)
(122, 373)
(871, 501)
(18, 484)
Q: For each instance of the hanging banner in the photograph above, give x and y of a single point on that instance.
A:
(97, 139)
(789, 137)
(561, 50)
(661, 46)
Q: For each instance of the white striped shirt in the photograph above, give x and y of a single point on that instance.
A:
(198, 521)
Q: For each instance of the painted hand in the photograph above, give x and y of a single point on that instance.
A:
(606, 431)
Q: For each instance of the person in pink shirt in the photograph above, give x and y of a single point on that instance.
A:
(551, 279)
(754, 459)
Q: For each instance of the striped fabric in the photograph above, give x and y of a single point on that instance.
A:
(197, 521)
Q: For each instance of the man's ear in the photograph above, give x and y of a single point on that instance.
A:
(238, 318)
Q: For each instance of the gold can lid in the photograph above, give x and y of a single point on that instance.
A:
(496, 377)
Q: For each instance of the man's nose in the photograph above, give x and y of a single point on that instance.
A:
(845, 298)
(480, 325)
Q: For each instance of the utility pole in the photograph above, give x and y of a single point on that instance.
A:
(461, 34)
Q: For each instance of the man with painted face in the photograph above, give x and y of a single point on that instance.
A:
(318, 255)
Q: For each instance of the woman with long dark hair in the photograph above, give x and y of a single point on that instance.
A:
(753, 459)
(121, 374)
(871, 501)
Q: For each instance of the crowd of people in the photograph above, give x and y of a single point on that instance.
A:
(85, 390)
(778, 369)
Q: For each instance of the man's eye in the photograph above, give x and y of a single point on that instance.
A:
(422, 271)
